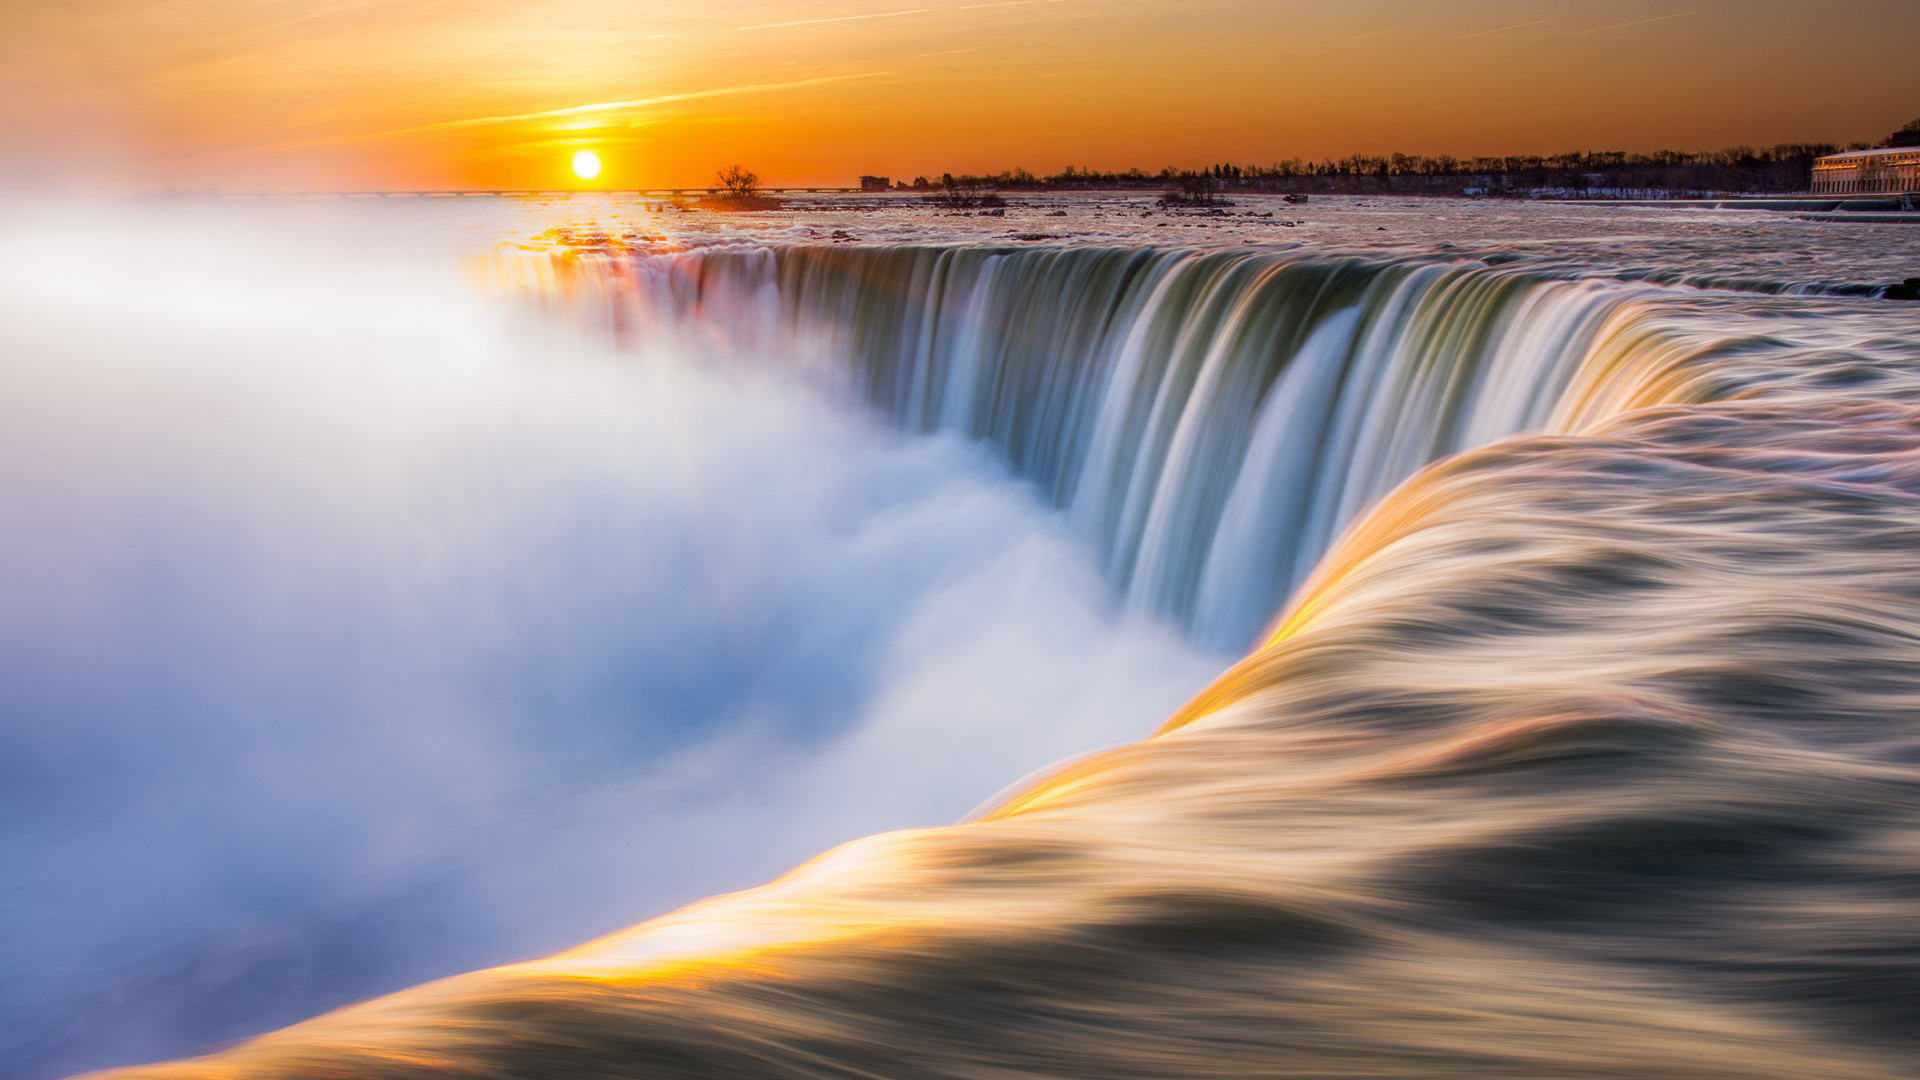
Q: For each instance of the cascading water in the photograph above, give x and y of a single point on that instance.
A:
(1210, 421)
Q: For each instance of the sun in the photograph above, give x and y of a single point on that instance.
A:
(586, 164)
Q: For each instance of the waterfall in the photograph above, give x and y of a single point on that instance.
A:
(1584, 753)
(1210, 421)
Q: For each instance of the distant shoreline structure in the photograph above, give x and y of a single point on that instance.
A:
(1883, 170)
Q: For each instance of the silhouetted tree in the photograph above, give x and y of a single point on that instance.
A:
(737, 183)
(1196, 191)
(966, 193)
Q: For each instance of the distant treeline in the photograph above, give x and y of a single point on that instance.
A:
(1784, 168)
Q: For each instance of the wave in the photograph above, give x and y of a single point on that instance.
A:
(1586, 753)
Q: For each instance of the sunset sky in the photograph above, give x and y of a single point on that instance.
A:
(276, 95)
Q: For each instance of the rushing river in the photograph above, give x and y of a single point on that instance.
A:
(374, 621)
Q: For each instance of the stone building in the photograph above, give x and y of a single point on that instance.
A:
(1890, 169)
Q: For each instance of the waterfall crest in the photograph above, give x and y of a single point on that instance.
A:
(1209, 420)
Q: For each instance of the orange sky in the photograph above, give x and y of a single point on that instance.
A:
(272, 95)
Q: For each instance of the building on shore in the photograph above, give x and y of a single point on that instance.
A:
(875, 183)
(1892, 169)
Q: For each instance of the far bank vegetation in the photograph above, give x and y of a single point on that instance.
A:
(1786, 167)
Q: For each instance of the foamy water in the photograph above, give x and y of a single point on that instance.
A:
(1587, 753)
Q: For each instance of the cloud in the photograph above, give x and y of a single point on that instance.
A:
(839, 19)
(639, 103)
(903, 13)
(1639, 22)
(1501, 30)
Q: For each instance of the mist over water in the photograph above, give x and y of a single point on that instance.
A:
(360, 631)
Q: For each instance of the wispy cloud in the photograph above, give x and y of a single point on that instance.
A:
(838, 19)
(903, 13)
(1371, 34)
(638, 103)
(1008, 3)
(1640, 22)
(1500, 30)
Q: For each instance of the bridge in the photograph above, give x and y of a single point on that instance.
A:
(462, 193)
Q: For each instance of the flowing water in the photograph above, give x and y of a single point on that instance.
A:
(1582, 744)
(1211, 420)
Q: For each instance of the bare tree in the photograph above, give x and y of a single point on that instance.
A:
(966, 193)
(1195, 191)
(737, 183)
